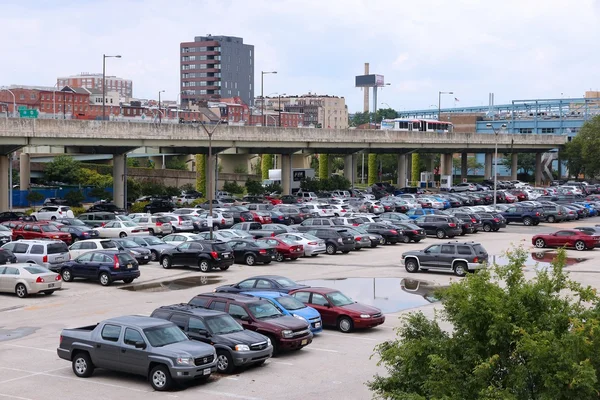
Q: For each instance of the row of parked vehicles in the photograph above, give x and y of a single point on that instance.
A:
(234, 327)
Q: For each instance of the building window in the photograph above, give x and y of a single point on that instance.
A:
(547, 130)
(525, 130)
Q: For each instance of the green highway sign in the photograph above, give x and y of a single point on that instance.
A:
(26, 113)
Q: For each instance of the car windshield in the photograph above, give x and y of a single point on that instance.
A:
(263, 310)
(129, 224)
(164, 335)
(359, 229)
(308, 236)
(4, 229)
(129, 244)
(290, 303)
(285, 282)
(36, 270)
(339, 299)
(49, 228)
(222, 324)
(151, 240)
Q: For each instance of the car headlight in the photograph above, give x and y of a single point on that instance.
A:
(185, 361)
(241, 347)
(134, 253)
(299, 317)
(365, 316)
(269, 342)
(286, 333)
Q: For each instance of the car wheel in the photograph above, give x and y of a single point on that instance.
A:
(21, 290)
(48, 292)
(250, 259)
(224, 362)
(122, 235)
(487, 227)
(104, 279)
(345, 324)
(279, 257)
(460, 269)
(75, 239)
(204, 266)
(160, 378)
(153, 255)
(330, 249)
(527, 221)
(215, 228)
(540, 243)
(151, 231)
(383, 241)
(33, 217)
(82, 365)
(580, 245)
(128, 280)
(440, 234)
(166, 262)
(411, 265)
(224, 268)
(346, 251)
(405, 239)
(66, 275)
(551, 219)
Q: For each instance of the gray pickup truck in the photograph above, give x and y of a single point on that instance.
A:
(138, 345)
(255, 229)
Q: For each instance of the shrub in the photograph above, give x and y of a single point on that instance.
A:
(240, 169)
(138, 207)
(254, 187)
(74, 198)
(78, 210)
(34, 197)
(273, 187)
(29, 211)
(233, 187)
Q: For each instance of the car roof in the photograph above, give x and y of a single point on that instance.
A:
(321, 290)
(95, 240)
(189, 308)
(266, 294)
(139, 321)
(242, 298)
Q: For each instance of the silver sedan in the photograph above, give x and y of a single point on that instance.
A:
(24, 279)
(313, 246)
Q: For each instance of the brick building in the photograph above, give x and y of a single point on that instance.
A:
(94, 81)
(318, 110)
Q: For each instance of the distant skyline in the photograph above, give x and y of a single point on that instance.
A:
(515, 49)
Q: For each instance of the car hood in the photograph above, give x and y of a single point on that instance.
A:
(306, 312)
(413, 253)
(191, 347)
(361, 309)
(242, 337)
(286, 322)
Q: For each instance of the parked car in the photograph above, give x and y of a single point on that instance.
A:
(336, 239)
(83, 246)
(441, 226)
(279, 218)
(156, 225)
(286, 249)
(5, 235)
(338, 310)
(14, 216)
(206, 255)
(119, 229)
(250, 252)
(158, 205)
(137, 251)
(152, 243)
(362, 238)
(388, 233)
(39, 230)
(220, 219)
(105, 266)
(528, 215)
(235, 346)
(312, 245)
(555, 213)
(394, 217)
(285, 332)
(463, 187)
(79, 232)
(28, 278)
(261, 283)
(573, 238)
(134, 343)
(97, 219)
(52, 213)
(306, 196)
(410, 232)
(106, 207)
(175, 239)
(457, 257)
(491, 222)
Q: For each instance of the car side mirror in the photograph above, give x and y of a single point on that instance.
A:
(202, 332)
(140, 345)
(244, 317)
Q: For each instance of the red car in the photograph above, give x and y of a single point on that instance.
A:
(285, 248)
(510, 198)
(39, 230)
(263, 218)
(520, 195)
(338, 310)
(566, 238)
(273, 200)
(424, 202)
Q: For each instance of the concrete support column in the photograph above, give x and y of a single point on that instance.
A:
(514, 168)
(464, 169)
(349, 167)
(489, 167)
(286, 173)
(4, 192)
(329, 165)
(118, 179)
(559, 164)
(539, 177)
(446, 164)
(409, 167)
(432, 164)
(24, 171)
(401, 182)
(301, 161)
(449, 164)
(211, 175)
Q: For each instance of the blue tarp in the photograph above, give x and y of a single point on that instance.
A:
(20, 196)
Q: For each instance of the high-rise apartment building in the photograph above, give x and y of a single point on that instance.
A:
(94, 81)
(212, 67)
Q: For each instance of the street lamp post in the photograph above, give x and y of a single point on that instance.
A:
(440, 102)
(262, 94)
(14, 103)
(104, 57)
(496, 132)
(159, 110)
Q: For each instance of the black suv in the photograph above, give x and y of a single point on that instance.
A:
(440, 226)
(471, 222)
(156, 206)
(206, 254)
(235, 346)
(389, 234)
(491, 222)
(528, 215)
(259, 315)
(336, 239)
(459, 257)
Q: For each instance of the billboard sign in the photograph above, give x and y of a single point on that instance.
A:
(369, 80)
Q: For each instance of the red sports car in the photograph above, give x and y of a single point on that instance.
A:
(285, 248)
(338, 310)
(566, 238)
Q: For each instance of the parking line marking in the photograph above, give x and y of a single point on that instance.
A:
(319, 349)
(232, 379)
(349, 337)
(27, 347)
(225, 394)
(14, 397)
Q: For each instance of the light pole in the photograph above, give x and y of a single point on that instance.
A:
(104, 57)
(14, 102)
(262, 94)
(440, 102)
(159, 112)
(496, 132)
(177, 103)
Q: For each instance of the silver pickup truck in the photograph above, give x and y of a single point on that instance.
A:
(138, 345)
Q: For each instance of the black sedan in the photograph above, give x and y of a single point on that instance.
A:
(410, 232)
(289, 199)
(12, 216)
(80, 232)
(262, 283)
(154, 244)
(141, 254)
(250, 252)
(7, 256)
(240, 214)
(279, 217)
(204, 254)
(388, 233)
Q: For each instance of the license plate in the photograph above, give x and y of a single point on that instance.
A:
(129, 266)
(304, 342)
(145, 257)
(50, 285)
(206, 371)
(59, 259)
(317, 325)
(273, 257)
(226, 255)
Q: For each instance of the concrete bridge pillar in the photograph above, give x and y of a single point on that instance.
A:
(401, 181)
(450, 164)
(464, 169)
(301, 161)
(444, 164)
(24, 171)
(514, 166)
(349, 168)
(488, 167)
(538, 169)
(119, 161)
(286, 173)
(409, 167)
(4, 182)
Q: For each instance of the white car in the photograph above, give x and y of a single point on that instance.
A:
(188, 211)
(323, 210)
(25, 278)
(181, 237)
(155, 225)
(180, 223)
(238, 233)
(118, 229)
(463, 187)
(340, 210)
(372, 206)
(52, 213)
(435, 203)
(138, 215)
(83, 246)
(313, 246)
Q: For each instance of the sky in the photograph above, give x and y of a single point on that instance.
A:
(517, 49)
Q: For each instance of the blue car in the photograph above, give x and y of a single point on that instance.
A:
(291, 306)
(419, 212)
(446, 202)
(591, 209)
(105, 266)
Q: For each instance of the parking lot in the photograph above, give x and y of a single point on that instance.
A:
(335, 365)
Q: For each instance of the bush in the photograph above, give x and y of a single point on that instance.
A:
(78, 210)
(267, 164)
(29, 211)
(240, 169)
(188, 187)
(74, 198)
(172, 191)
(310, 185)
(254, 187)
(138, 207)
(273, 187)
(34, 197)
(233, 187)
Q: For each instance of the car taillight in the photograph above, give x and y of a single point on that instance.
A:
(476, 260)
(214, 254)
(355, 224)
(222, 221)
(116, 263)
(560, 213)
(358, 238)
(45, 259)
(262, 251)
(39, 280)
(242, 219)
(324, 210)
(452, 225)
(473, 220)
(312, 243)
(135, 231)
(159, 223)
(102, 224)
(537, 214)
(57, 278)
(60, 213)
(394, 232)
(415, 232)
(496, 220)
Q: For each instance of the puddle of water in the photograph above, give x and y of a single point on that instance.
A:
(174, 284)
(388, 294)
(539, 259)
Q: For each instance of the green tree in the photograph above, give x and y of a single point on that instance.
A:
(99, 193)
(338, 182)
(525, 162)
(188, 187)
(254, 188)
(34, 197)
(133, 162)
(310, 185)
(176, 162)
(337, 163)
(360, 118)
(323, 166)
(575, 159)
(386, 113)
(201, 173)
(74, 198)
(511, 338)
(63, 168)
(472, 165)
(582, 151)
(91, 177)
(267, 164)
(233, 187)
(134, 189)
